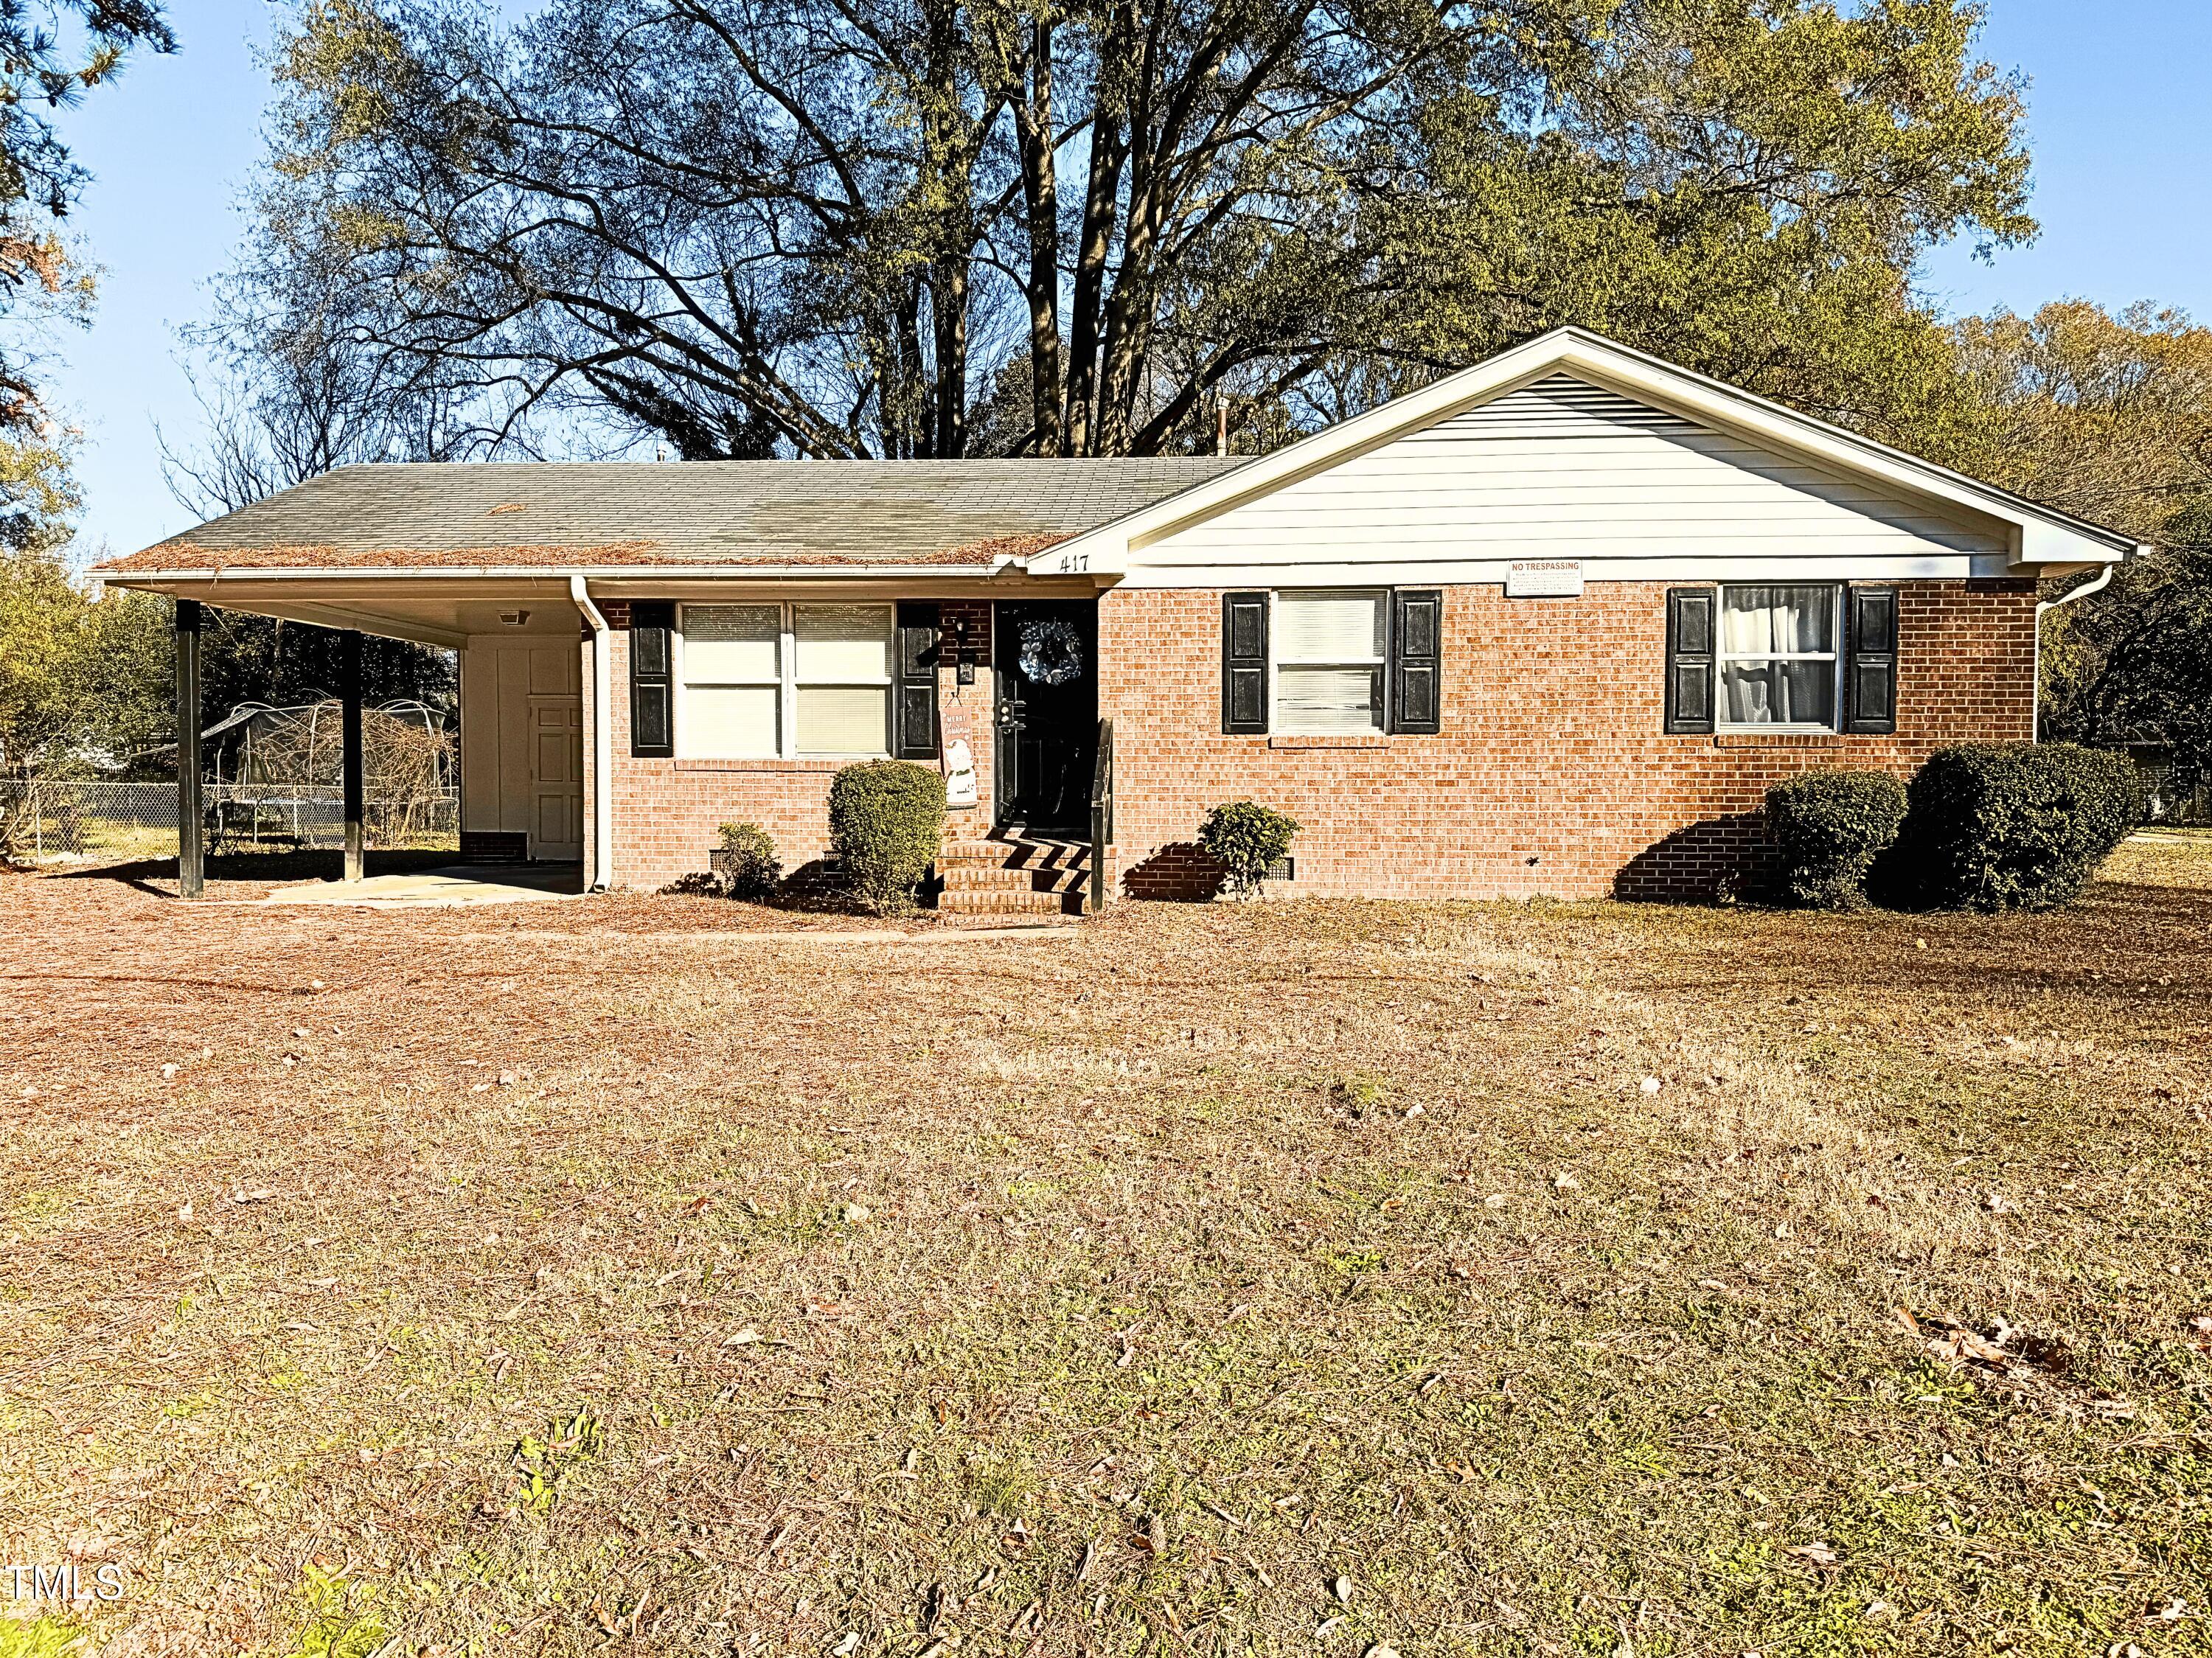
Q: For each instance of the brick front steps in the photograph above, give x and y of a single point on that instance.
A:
(1012, 872)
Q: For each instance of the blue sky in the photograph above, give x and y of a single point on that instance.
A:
(2118, 130)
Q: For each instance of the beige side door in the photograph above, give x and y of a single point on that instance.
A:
(556, 778)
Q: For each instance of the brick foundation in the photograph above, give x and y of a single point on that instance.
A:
(1551, 775)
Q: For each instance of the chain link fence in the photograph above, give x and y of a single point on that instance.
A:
(41, 819)
(2172, 793)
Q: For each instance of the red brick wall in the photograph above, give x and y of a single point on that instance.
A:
(667, 812)
(1551, 775)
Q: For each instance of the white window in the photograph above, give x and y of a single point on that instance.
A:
(733, 658)
(803, 681)
(1778, 661)
(843, 677)
(1329, 649)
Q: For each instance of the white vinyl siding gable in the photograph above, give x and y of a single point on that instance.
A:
(1564, 470)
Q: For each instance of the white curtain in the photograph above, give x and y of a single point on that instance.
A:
(1782, 621)
(1778, 622)
(1779, 693)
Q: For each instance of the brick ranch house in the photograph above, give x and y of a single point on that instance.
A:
(1550, 625)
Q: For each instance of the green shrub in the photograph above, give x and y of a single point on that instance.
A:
(1245, 839)
(887, 823)
(2012, 825)
(747, 862)
(1830, 826)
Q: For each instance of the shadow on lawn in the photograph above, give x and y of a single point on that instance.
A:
(158, 876)
(2118, 943)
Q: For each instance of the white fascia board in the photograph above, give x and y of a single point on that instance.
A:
(2038, 534)
(1477, 572)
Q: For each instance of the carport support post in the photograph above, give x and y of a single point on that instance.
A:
(349, 743)
(191, 863)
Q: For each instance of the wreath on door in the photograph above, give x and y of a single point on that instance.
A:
(1051, 653)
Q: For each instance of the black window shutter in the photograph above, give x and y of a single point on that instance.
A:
(1691, 621)
(1416, 661)
(1244, 663)
(913, 713)
(652, 692)
(1870, 662)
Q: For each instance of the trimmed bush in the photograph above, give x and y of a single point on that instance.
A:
(887, 823)
(746, 860)
(1998, 826)
(1830, 827)
(1245, 839)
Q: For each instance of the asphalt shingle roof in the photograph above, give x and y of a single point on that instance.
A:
(731, 512)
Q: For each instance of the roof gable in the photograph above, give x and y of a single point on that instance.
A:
(1637, 394)
(1564, 470)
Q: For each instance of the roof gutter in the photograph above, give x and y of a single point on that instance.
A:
(552, 572)
(2104, 580)
(600, 875)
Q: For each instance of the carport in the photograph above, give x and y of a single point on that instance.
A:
(528, 646)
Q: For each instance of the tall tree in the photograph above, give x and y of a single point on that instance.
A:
(878, 228)
(51, 53)
(2111, 418)
(292, 392)
(81, 681)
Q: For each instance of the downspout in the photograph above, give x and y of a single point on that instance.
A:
(2102, 582)
(600, 875)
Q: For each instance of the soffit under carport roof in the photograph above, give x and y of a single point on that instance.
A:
(707, 512)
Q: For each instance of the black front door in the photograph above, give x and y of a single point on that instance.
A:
(1045, 651)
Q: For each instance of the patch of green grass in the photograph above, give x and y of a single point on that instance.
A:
(333, 1628)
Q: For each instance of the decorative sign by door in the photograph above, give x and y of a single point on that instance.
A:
(1544, 577)
(959, 774)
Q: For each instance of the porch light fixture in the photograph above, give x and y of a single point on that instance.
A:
(514, 618)
(963, 665)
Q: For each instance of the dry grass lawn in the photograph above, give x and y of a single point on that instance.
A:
(656, 1275)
